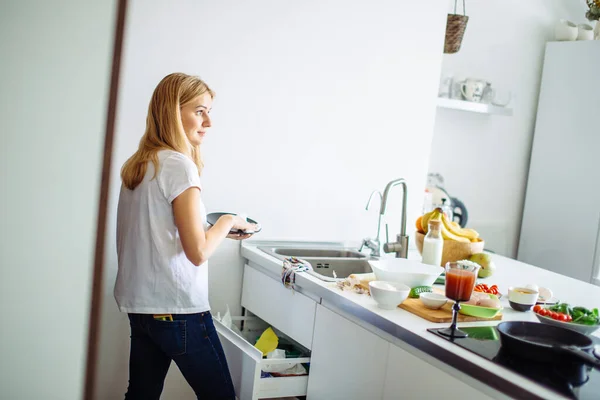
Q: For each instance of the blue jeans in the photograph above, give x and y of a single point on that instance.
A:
(191, 341)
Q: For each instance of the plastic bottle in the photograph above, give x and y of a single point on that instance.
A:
(433, 244)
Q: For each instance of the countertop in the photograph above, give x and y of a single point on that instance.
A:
(411, 330)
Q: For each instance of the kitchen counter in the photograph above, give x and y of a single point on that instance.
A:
(410, 331)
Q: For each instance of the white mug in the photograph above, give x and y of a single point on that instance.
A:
(565, 30)
(585, 32)
(472, 89)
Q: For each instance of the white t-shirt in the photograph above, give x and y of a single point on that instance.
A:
(154, 274)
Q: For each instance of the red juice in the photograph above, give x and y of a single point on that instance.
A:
(459, 284)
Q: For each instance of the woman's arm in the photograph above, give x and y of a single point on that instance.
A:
(197, 243)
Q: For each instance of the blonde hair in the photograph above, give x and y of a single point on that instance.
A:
(164, 130)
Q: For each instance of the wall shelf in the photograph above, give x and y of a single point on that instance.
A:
(473, 107)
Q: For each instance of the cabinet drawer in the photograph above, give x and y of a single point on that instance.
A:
(246, 362)
(291, 312)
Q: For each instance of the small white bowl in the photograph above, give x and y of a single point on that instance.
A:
(388, 294)
(433, 300)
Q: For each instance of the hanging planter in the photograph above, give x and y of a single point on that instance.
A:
(455, 30)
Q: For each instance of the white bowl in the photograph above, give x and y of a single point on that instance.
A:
(409, 272)
(433, 300)
(388, 294)
(522, 298)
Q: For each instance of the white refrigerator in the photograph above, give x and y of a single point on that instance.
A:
(561, 215)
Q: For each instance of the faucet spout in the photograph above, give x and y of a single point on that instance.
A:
(373, 244)
(388, 187)
(400, 247)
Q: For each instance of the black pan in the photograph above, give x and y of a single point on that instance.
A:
(548, 343)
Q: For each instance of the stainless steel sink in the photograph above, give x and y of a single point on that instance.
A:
(316, 253)
(329, 264)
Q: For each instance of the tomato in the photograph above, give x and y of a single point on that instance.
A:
(555, 315)
(569, 318)
(544, 312)
(563, 317)
(537, 308)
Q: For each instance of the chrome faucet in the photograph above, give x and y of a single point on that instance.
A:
(374, 244)
(400, 246)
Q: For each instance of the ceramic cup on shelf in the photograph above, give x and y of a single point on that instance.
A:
(472, 89)
(565, 30)
(585, 32)
(597, 31)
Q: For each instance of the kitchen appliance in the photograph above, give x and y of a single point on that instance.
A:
(453, 207)
(575, 381)
(560, 230)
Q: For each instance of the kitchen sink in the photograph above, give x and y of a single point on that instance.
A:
(317, 253)
(328, 264)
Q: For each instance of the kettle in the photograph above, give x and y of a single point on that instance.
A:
(453, 207)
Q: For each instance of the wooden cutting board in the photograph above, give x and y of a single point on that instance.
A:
(443, 314)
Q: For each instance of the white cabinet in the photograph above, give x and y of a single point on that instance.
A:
(409, 377)
(348, 362)
(291, 312)
(246, 362)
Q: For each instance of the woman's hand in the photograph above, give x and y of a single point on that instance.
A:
(239, 236)
(240, 224)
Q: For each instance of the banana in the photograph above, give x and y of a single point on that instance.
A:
(467, 234)
(425, 221)
(446, 234)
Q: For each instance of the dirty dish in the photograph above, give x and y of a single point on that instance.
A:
(212, 219)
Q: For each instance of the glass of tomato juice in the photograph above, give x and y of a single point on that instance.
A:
(460, 281)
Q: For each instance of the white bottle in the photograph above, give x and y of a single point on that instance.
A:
(433, 244)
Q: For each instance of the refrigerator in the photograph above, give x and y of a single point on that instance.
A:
(561, 217)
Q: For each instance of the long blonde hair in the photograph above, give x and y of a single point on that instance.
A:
(164, 130)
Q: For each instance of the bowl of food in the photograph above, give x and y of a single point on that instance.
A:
(453, 250)
(579, 319)
(522, 298)
(433, 300)
(388, 295)
(482, 305)
(408, 272)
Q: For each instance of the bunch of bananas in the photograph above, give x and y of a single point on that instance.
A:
(450, 230)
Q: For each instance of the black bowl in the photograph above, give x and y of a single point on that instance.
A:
(519, 306)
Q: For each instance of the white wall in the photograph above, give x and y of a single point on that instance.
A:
(484, 159)
(318, 104)
(54, 75)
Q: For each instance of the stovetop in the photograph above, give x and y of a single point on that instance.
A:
(573, 381)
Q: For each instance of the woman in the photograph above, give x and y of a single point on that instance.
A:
(163, 245)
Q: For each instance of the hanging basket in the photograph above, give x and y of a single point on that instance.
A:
(455, 30)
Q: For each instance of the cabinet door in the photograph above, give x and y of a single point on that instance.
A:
(409, 377)
(348, 362)
(560, 216)
(291, 312)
